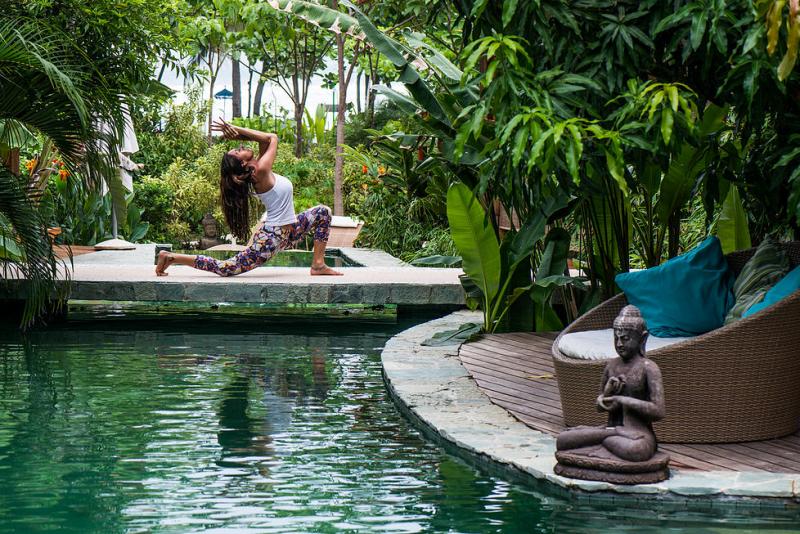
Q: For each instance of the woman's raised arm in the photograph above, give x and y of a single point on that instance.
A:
(229, 131)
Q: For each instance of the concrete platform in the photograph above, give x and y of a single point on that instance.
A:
(130, 276)
(437, 392)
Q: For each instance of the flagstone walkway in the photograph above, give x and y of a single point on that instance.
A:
(129, 275)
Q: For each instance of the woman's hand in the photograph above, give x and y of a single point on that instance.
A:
(228, 131)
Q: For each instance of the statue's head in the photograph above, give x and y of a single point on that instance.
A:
(630, 332)
(210, 228)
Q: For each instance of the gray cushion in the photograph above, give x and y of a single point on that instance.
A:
(768, 265)
(599, 344)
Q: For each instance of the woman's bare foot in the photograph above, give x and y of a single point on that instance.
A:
(165, 259)
(324, 270)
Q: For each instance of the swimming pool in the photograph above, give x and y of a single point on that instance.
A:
(242, 424)
(286, 258)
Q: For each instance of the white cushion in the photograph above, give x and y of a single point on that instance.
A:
(343, 222)
(599, 344)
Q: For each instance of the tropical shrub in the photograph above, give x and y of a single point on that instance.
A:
(158, 197)
(498, 272)
(311, 175)
(177, 200)
(402, 206)
(165, 137)
(195, 189)
(84, 213)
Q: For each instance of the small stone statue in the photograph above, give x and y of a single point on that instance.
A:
(209, 226)
(210, 232)
(625, 451)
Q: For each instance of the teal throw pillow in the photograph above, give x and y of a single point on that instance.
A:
(768, 265)
(785, 287)
(685, 296)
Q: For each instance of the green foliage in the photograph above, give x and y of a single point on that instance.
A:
(180, 137)
(194, 186)
(84, 214)
(158, 199)
(732, 223)
(283, 127)
(26, 249)
(311, 176)
(500, 272)
(474, 237)
(176, 201)
(388, 227)
(401, 202)
(388, 117)
(52, 86)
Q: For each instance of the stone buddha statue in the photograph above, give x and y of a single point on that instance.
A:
(625, 451)
(210, 232)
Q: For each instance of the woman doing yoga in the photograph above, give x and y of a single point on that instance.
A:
(243, 174)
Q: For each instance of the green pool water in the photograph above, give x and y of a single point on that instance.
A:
(287, 258)
(253, 425)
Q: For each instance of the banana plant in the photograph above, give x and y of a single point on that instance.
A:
(669, 144)
(492, 266)
(315, 125)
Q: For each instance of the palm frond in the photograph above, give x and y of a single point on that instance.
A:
(45, 276)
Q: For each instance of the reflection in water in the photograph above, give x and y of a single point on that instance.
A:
(176, 427)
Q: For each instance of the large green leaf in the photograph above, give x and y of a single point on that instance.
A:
(732, 228)
(434, 57)
(437, 261)
(319, 15)
(556, 251)
(475, 239)
(408, 75)
(678, 182)
(532, 231)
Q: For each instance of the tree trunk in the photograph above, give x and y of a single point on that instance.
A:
(358, 92)
(249, 89)
(338, 204)
(236, 80)
(366, 87)
(298, 129)
(210, 98)
(257, 97)
(371, 107)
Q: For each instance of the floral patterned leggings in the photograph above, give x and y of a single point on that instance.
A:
(268, 241)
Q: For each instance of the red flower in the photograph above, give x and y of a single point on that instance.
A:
(364, 169)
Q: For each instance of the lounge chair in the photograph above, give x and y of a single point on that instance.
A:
(740, 382)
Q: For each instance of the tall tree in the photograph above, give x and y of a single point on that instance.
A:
(236, 81)
(292, 52)
(344, 76)
(66, 65)
(210, 39)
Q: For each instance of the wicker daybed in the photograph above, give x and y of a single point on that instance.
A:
(737, 383)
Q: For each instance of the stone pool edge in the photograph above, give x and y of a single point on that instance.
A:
(436, 392)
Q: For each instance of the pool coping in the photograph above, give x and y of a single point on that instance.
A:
(433, 388)
(381, 279)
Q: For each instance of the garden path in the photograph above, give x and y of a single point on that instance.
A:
(129, 276)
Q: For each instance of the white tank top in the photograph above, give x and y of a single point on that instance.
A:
(279, 202)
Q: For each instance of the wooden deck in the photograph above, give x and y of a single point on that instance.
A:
(516, 372)
(64, 251)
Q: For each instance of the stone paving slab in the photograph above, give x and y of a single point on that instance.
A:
(431, 385)
(130, 276)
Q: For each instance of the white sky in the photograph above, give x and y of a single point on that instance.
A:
(273, 96)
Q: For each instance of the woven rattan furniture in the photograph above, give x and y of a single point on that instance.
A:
(737, 383)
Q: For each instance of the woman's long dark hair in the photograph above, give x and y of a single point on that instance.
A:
(236, 196)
